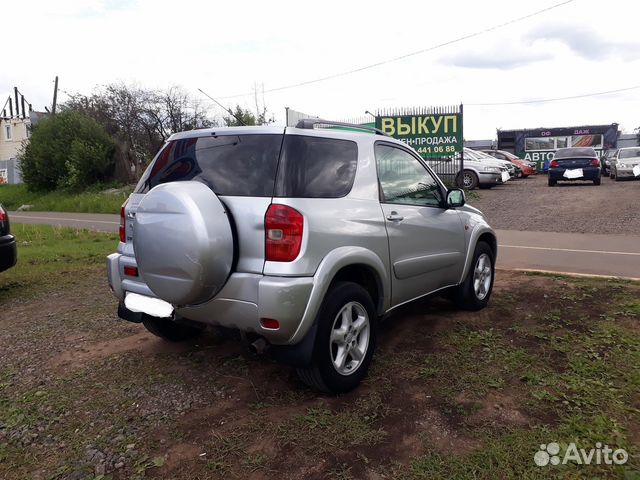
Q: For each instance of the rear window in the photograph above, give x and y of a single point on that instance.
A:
(314, 167)
(629, 153)
(575, 152)
(234, 165)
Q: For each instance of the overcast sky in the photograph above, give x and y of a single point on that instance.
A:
(225, 48)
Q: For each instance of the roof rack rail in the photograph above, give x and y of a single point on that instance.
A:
(310, 123)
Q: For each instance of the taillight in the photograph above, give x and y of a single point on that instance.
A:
(595, 162)
(3, 215)
(283, 233)
(554, 164)
(123, 228)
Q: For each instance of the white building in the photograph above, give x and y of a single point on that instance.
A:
(13, 132)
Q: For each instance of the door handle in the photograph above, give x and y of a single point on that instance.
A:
(394, 217)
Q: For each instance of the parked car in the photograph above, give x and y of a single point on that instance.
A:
(526, 168)
(607, 158)
(574, 163)
(483, 157)
(626, 163)
(8, 250)
(295, 237)
(475, 174)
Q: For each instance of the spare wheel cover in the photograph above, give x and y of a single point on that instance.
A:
(183, 242)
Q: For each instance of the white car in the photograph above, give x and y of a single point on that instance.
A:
(483, 157)
(626, 163)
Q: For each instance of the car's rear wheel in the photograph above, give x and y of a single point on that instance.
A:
(552, 183)
(475, 291)
(345, 340)
(169, 330)
(469, 179)
(597, 181)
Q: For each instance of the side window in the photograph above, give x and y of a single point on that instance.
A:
(404, 180)
(316, 167)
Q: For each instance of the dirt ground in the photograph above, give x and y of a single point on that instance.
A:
(572, 207)
(451, 394)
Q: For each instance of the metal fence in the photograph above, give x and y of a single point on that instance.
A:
(436, 133)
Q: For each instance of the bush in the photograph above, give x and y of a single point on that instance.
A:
(69, 150)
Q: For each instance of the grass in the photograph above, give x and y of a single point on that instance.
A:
(91, 201)
(451, 394)
(53, 257)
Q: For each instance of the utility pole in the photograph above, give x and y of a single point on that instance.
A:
(55, 97)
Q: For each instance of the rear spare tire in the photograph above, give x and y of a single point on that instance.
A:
(183, 242)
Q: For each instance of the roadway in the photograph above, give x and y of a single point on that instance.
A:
(573, 253)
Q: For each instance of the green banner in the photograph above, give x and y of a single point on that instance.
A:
(431, 135)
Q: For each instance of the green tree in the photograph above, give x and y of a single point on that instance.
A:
(69, 150)
(240, 117)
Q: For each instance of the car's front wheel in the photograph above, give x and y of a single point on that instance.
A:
(345, 340)
(169, 330)
(469, 179)
(475, 291)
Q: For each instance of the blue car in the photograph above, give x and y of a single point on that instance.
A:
(8, 254)
(575, 164)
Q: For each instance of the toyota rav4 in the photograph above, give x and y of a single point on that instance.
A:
(301, 238)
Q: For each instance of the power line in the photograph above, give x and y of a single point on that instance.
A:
(407, 55)
(557, 99)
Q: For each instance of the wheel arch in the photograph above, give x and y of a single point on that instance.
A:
(351, 263)
(368, 278)
(481, 233)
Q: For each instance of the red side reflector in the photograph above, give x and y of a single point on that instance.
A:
(131, 271)
(270, 323)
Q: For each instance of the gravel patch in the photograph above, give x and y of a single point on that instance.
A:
(580, 207)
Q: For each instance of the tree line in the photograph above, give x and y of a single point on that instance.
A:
(113, 133)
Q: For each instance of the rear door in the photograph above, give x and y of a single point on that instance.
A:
(239, 165)
(426, 240)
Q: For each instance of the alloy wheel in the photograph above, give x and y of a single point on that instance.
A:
(349, 340)
(482, 276)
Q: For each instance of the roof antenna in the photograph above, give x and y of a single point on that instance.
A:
(224, 108)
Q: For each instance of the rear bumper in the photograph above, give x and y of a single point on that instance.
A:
(242, 302)
(8, 252)
(588, 173)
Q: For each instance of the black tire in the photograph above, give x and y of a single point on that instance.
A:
(469, 180)
(616, 178)
(169, 330)
(552, 183)
(485, 187)
(464, 295)
(597, 181)
(322, 375)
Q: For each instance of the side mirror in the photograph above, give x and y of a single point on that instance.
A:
(455, 198)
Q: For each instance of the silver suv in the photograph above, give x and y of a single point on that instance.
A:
(300, 238)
